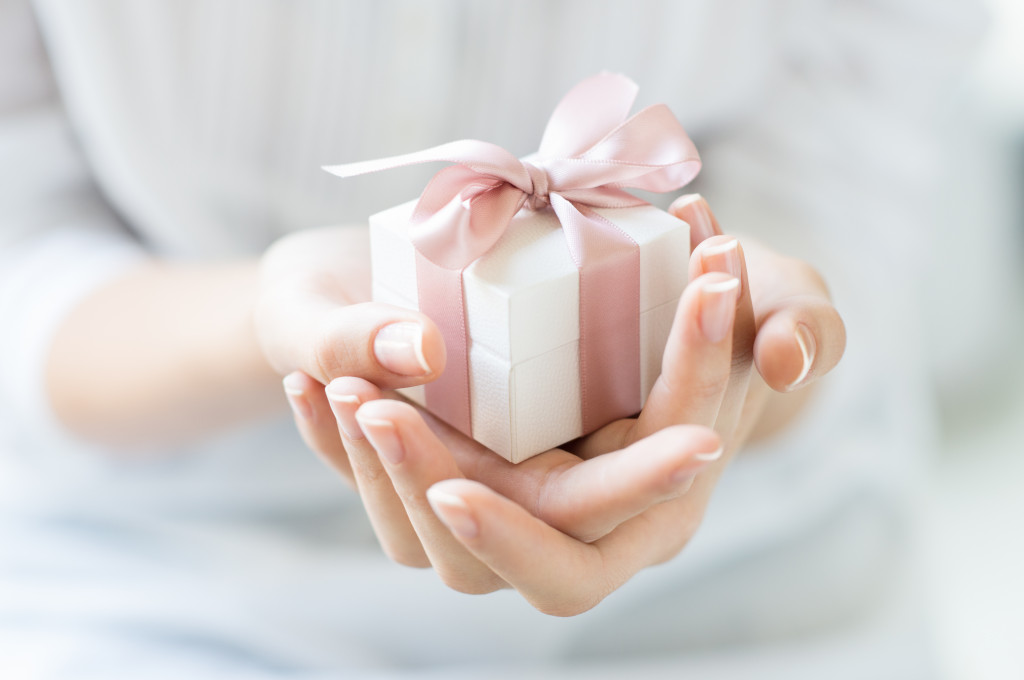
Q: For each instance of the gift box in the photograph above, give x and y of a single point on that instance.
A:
(522, 300)
(553, 288)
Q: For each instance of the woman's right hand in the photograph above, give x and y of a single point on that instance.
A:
(312, 315)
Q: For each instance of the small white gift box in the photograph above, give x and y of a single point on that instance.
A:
(553, 288)
(522, 311)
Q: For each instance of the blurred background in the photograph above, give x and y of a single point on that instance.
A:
(975, 517)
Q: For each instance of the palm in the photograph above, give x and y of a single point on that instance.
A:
(607, 505)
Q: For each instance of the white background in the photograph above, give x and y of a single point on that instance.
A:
(975, 518)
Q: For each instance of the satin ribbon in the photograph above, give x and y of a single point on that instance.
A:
(589, 153)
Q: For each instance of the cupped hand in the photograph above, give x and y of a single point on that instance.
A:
(312, 316)
(568, 527)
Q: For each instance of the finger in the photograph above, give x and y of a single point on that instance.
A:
(415, 459)
(802, 336)
(556, 573)
(661, 531)
(725, 254)
(694, 210)
(315, 421)
(389, 346)
(696, 365)
(384, 508)
(590, 499)
(799, 343)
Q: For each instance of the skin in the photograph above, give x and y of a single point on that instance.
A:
(170, 353)
(626, 497)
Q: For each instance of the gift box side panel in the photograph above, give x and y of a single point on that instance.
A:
(655, 325)
(541, 398)
(545, 405)
(664, 243)
(528, 280)
(546, 402)
(522, 296)
(490, 390)
(392, 255)
(524, 406)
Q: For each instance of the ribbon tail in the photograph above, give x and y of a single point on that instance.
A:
(608, 261)
(586, 114)
(442, 298)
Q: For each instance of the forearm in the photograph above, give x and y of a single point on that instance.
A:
(163, 354)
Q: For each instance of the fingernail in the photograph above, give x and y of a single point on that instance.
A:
(682, 479)
(698, 216)
(399, 348)
(722, 257)
(710, 456)
(805, 341)
(718, 308)
(384, 437)
(685, 474)
(344, 407)
(454, 512)
(293, 391)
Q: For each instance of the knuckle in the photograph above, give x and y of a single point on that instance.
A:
(325, 357)
(549, 502)
(333, 354)
(708, 388)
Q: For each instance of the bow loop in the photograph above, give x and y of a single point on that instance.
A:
(589, 152)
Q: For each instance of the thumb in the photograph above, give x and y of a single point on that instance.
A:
(388, 346)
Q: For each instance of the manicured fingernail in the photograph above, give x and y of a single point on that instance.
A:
(710, 456)
(344, 407)
(682, 479)
(722, 257)
(399, 348)
(698, 216)
(454, 512)
(384, 437)
(718, 308)
(296, 395)
(805, 341)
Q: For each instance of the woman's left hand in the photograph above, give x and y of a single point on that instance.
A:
(569, 526)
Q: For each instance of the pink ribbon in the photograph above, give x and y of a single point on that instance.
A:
(590, 152)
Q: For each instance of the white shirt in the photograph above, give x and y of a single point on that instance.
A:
(196, 130)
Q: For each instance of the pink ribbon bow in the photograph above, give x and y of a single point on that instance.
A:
(590, 151)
